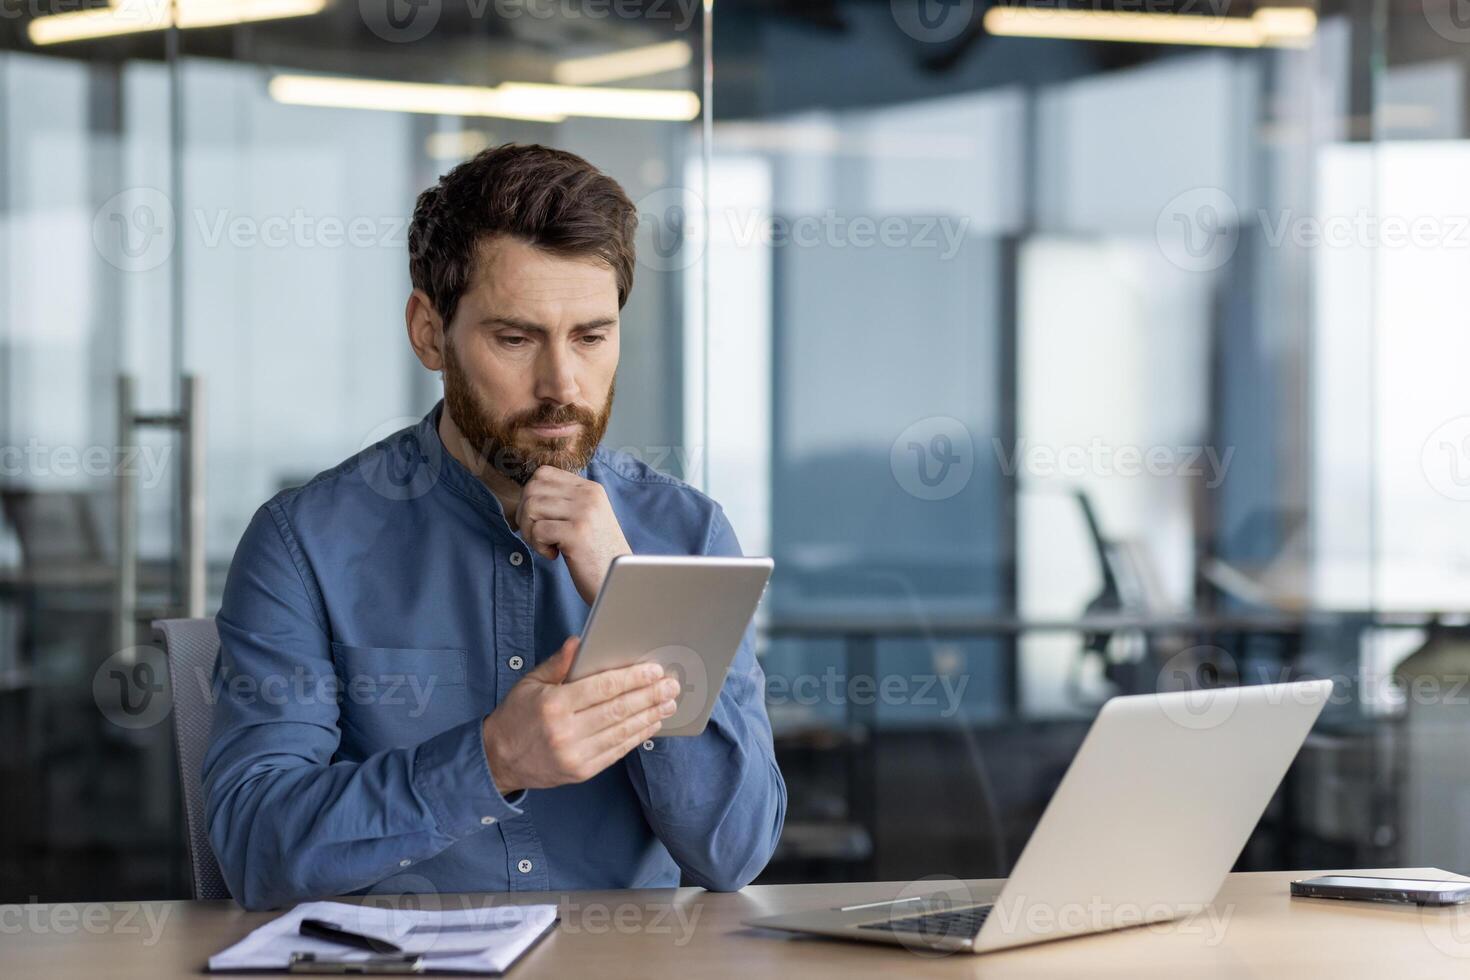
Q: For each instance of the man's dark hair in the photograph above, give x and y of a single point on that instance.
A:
(548, 198)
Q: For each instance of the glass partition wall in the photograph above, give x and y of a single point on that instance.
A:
(1419, 480)
(87, 279)
(205, 212)
(1094, 367)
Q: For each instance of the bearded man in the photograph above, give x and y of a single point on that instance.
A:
(392, 713)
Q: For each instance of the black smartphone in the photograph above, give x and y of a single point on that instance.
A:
(1399, 891)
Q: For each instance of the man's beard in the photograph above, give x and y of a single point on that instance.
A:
(496, 440)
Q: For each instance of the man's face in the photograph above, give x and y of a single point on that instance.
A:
(530, 358)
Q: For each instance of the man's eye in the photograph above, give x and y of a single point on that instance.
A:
(512, 341)
(593, 339)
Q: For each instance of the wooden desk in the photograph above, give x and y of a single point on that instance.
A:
(1257, 931)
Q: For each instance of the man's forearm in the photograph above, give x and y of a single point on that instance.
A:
(286, 831)
(716, 800)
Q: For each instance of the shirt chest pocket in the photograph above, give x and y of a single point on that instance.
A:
(395, 697)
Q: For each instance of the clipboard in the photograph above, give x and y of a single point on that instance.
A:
(278, 947)
(400, 965)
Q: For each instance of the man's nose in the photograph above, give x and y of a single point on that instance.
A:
(556, 379)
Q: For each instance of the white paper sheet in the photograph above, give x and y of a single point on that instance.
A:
(475, 940)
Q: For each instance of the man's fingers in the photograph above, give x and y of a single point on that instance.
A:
(543, 519)
(623, 746)
(548, 537)
(544, 506)
(553, 476)
(528, 510)
(537, 492)
(608, 684)
(554, 669)
(611, 714)
(543, 548)
(610, 738)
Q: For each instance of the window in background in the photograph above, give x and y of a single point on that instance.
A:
(1159, 392)
(169, 209)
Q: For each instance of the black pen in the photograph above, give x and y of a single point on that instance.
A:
(318, 929)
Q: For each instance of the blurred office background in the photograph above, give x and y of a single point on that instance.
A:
(1048, 364)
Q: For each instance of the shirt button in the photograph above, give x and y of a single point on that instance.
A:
(524, 867)
(487, 821)
(648, 746)
(515, 663)
(404, 863)
(516, 558)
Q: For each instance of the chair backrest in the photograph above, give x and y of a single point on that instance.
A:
(192, 647)
(54, 527)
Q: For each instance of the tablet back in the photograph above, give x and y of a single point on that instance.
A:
(687, 613)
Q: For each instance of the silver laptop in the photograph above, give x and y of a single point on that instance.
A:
(1145, 825)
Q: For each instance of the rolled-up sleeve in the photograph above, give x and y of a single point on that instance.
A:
(288, 823)
(717, 799)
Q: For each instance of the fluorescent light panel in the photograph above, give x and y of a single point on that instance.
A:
(365, 93)
(618, 66)
(510, 100)
(1286, 26)
(1268, 27)
(669, 105)
(139, 16)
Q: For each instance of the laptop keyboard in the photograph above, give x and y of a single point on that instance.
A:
(947, 924)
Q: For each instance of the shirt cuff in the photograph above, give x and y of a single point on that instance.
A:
(452, 775)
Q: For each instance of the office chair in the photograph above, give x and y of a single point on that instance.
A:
(54, 527)
(192, 647)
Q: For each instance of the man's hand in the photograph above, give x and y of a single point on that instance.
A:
(562, 514)
(546, 733)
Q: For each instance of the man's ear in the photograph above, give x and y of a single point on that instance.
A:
(425, 330)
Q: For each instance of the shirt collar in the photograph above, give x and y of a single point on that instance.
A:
(450, 472)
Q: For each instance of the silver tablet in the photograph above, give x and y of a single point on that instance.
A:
(687, 613)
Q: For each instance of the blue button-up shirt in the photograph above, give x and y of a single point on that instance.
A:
(372, 618)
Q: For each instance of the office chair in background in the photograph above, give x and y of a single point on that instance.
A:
(192, 647)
